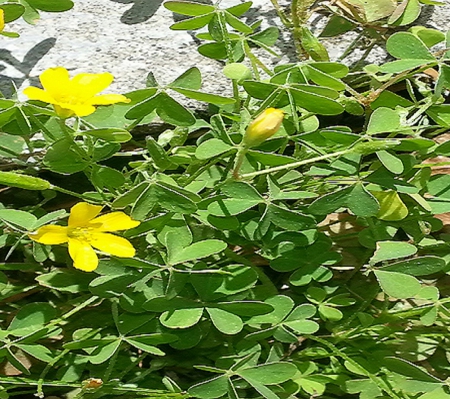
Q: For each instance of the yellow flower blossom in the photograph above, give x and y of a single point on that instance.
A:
(86, 230)
(263, 127)
(2, 20)
(74, 96)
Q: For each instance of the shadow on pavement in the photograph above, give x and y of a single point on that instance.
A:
(140, 11)
(23, 67)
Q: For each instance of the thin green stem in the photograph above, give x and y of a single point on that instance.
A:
(240, 156)
(42, 126)
(294, 164)
(281, 14)
(64, 191)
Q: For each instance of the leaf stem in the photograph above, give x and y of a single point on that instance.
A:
(294, 164)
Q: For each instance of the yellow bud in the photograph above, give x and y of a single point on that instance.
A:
(263, 127)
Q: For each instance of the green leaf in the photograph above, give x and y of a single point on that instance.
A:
(356, 198)
(193, 23)
(231, 206)
(406, 13)
(216, 51)
(315, 103)
(429, 36)
(388, 250)
(361, 202)
(181, 318)
(143, 346)
(239, 9)
(105, 352)
(12, 11)
(211, 148)
(330, 313)
(405, 45)
(158, 154)
(245, 308)
(390, 162)
(398, 285)
(211, 389)
(262, 389)
(336, 25)
(404, 65)
(174, 199)
(38, 351)
(312, 45)
(31, 317)
(103, 176)
(63, 157)
(440, 114)
(188, 8)
(22, 219)
(287, 219)
(131, 196)
(443, 81)
(199, 250)
(172, 112)
(12, 179)
(392, 207)
(408, 369)
(111, 135)
(421, 266)
(269, 373)
(207, 98)
(383, 120)
(237, 71)
(375, 11)
(267, 37)
(191, 79)
(51, 5)
(226, 322)
(282, 306)
(66, 280)
(146, 106)
(237, 24)
(323, 79)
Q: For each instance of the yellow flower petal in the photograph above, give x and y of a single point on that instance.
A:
(87, 85)
(34, 93)
(50, 235)
(56, 82)
(107, 99)
(114, 221)
(83, 255)
(63, 112)
(111, 244)
(82, 213)
(79, 109)
(2, 20)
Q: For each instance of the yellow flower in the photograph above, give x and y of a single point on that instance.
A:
(74, 96)
(86, 230)
(263, 127)
(2, 20)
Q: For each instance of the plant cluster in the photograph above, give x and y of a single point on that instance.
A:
(288, 242)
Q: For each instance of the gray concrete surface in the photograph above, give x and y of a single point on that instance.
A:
(129, 38)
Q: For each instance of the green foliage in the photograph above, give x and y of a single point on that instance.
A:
(313, 265)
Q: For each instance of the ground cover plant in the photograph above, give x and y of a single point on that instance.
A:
(289, 240)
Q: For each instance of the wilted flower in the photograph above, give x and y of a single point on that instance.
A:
(263, 127)
(86, 230)
(74, 96)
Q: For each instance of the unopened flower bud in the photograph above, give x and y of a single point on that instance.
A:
(263, 127)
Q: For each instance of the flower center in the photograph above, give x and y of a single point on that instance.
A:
(80, 233)
(69, 99)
